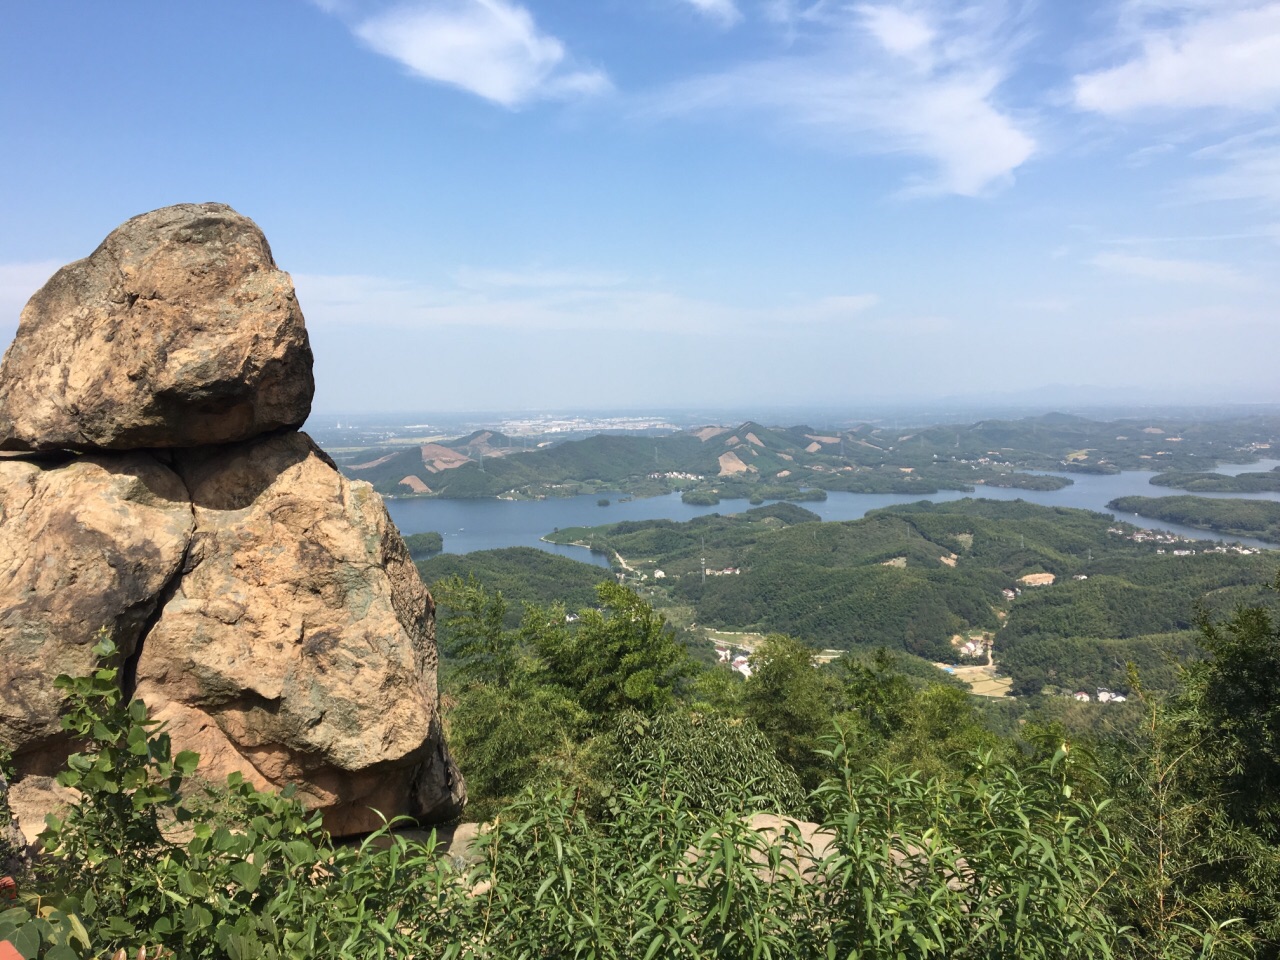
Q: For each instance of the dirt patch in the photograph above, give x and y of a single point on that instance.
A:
(437, 458)
(983, 680)
(992, 686)
(948, 561)
(752, 438)
(813, 447)
(895, 562)
(1038, 579)
(369, 465)
(782, 473)
(786, 456)
(731, 463)
(819, 439)
(706, 433)
(415, 484)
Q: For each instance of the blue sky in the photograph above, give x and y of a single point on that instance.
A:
(491, 204)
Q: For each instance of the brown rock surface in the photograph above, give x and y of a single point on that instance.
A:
(299, 646)
(177, 331)
(265, 607)
(84, 544)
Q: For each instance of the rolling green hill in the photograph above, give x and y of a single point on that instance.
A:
(1268, 482)
(913, 577)
(757, 462)
(521, 575)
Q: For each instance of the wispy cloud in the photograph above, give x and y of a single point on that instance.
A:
(551, 301)
(491, 48)
(1249, 168)
(886, 78)
(470, 278)
(725, 12)
(1190, 55)
(1164, 270)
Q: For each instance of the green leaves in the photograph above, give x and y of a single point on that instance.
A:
(1004, 859)
(623, 656)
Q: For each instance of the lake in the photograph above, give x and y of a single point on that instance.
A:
(468, 525)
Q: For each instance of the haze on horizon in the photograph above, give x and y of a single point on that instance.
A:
(524, 204)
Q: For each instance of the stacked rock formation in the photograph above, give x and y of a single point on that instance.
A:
(266, 607)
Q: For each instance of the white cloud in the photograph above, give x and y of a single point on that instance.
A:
(1222, 54)
(491, 48)
(1162, 270)
(551, 301)
(899, 31)
(724, 11)
(883, 79)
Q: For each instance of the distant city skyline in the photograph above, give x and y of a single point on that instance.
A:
(653, 204)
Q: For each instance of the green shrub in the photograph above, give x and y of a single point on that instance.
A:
(1007, 861)
(716, 763)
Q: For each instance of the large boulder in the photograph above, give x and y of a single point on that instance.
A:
(177, 331)
(299, 645)
(265, 608)
(85, 545)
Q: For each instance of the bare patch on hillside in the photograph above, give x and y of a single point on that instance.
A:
(437, 458)
(1037, 579)
(415, 484)
(731, 463)
(706, 433)
(369, 465)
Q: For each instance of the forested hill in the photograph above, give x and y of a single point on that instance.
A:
(918, 576)
(1247, 482)
(1229, 517)
(752, 460)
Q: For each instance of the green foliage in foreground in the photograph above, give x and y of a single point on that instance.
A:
(1004, 864)
(1166, 847)
(715, 763)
